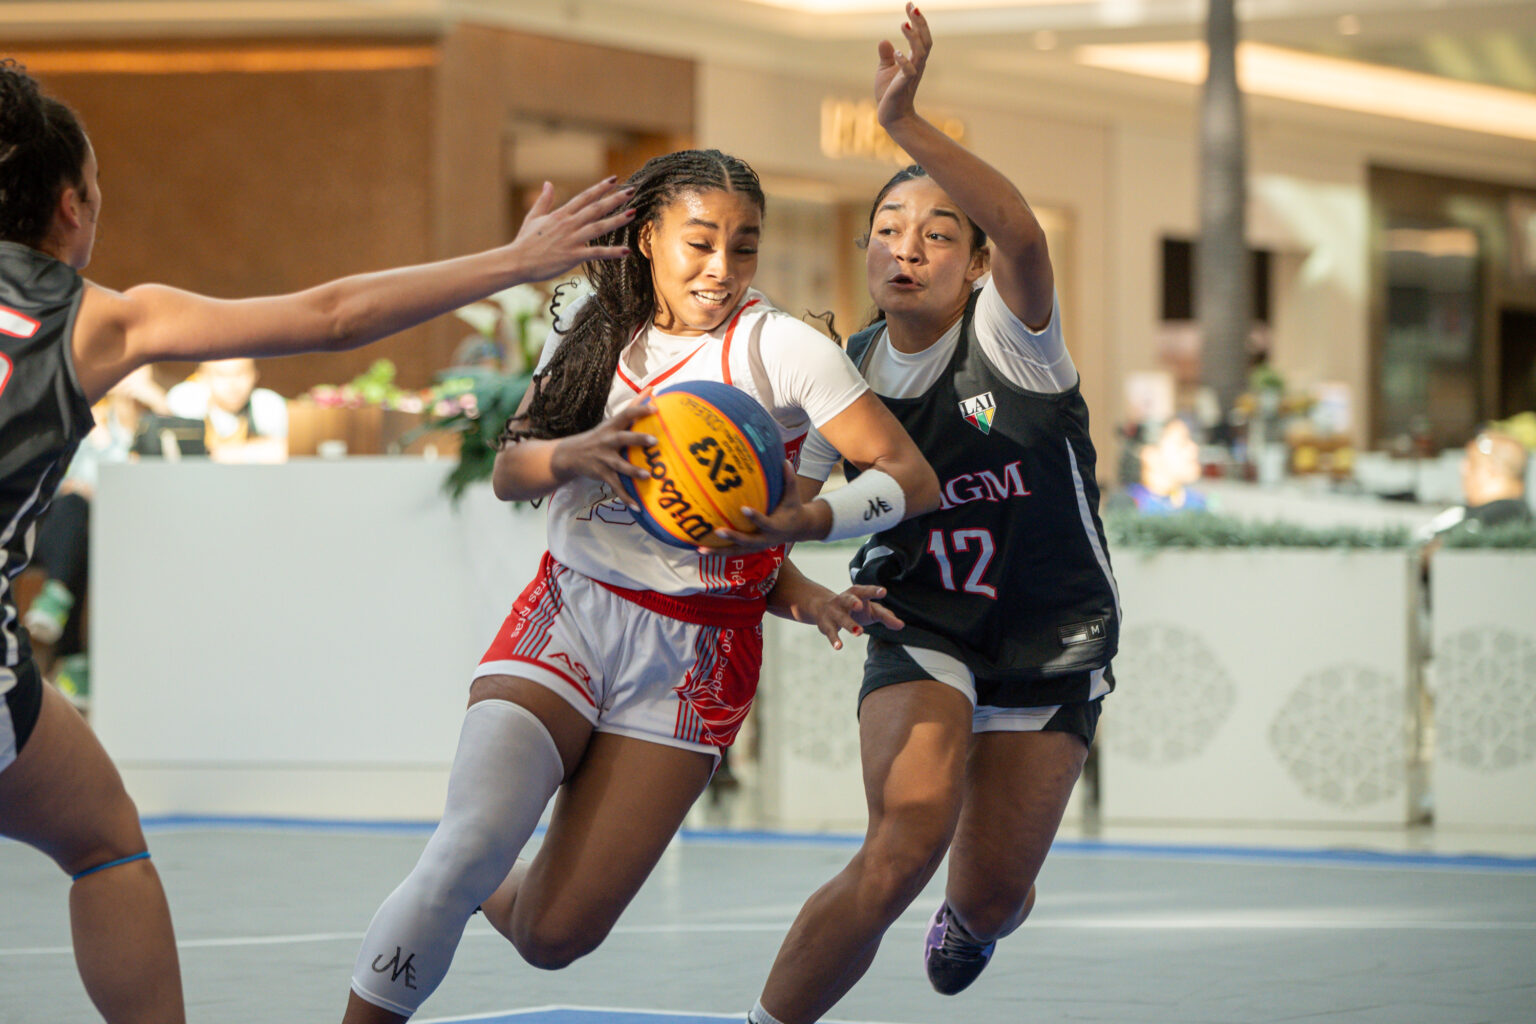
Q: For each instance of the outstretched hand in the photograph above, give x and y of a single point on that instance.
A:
(852, 610)
(553, 240)
(599, 453)
(898, 73)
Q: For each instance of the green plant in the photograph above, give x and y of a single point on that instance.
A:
(1206, 530)
(476, 404)
(1504, 536)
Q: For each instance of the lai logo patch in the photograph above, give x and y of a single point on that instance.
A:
(978, 411)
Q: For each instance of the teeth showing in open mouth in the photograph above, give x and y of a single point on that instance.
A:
(711, 297)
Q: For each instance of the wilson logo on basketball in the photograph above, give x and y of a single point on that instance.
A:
(17, 325)
(671, 501)
(716, 451)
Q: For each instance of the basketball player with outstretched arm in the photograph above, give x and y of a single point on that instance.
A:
(976, 715)
(64, 341)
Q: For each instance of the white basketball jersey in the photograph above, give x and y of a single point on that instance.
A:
(794, 372)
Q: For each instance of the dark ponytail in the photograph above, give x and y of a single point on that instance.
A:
(571, 393)
(42, 152)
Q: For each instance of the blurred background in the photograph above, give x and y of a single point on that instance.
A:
(1336, 642)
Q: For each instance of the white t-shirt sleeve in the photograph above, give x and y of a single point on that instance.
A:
(807, 370)
(269, 413)
(188, 400)
(1033, 360)
(817, 457)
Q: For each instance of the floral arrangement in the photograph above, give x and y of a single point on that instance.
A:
(493, 368)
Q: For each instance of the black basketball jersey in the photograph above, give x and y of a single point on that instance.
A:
(1011, 573)
(44, 415)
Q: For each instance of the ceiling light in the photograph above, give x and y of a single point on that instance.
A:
(1338, 84)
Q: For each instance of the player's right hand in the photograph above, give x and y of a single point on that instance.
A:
(599, 453)
(553, 240)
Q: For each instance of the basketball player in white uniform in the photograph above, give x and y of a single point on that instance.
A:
(627, 664)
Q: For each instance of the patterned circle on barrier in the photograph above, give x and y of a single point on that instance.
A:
(1177, 696)
(1342, 736)
(1485, 699)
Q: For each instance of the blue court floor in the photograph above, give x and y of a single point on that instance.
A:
(269, 916)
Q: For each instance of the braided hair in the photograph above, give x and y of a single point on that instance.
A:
(571, 393)
(911, 172)
(42, 152)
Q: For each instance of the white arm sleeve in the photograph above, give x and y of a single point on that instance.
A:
(269, 413)
(1033, 360)
(817, 457)
(188, 400)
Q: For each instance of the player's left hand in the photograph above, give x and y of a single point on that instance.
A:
(898, 73)
(791, 521)
(852, 610)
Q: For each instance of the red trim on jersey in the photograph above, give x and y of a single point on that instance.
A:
(792, 448)
(14, 322)
(635, 387)
(699, 609)
(5, 371)
(725, 353)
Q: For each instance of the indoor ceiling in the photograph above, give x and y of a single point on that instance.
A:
(987, 44)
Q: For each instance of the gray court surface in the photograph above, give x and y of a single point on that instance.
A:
(269, 917)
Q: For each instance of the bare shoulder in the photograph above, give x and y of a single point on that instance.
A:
(99, 342)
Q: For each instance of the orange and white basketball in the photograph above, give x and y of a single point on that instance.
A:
(716, 450)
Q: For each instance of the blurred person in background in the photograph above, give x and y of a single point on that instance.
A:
(1492, 486)
(1164, 467)
(1493, 481)
(241, 422)
(64, 343)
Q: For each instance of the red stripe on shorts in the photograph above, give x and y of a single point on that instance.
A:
(715, 696)
(526, 632)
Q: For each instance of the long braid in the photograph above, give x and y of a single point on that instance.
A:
(571, 393)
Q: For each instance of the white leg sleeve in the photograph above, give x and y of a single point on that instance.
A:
(506, 769)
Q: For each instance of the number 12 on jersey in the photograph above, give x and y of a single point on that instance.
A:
(961, 542)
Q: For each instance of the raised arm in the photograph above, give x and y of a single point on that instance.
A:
(116, 332)
(1021, 264)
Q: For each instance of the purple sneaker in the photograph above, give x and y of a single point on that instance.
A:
(953, 961)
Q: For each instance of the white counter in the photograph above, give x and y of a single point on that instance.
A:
(294, 639)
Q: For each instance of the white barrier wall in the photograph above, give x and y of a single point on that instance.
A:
(1483, 681)
(1264, 686)
(294, 639)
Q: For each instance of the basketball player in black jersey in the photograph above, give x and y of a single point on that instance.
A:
(63, 342)
(989, 655)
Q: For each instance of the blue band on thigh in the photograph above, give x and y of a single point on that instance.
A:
(110, 864)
